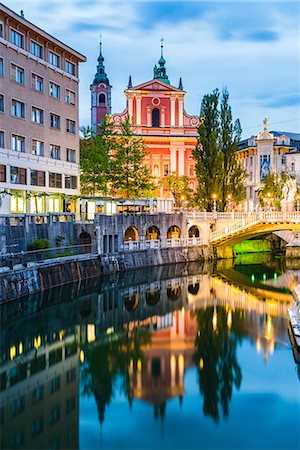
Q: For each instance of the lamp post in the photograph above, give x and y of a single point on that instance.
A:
(214, 197)
(298, 202)
(229, 197)
(269, 197)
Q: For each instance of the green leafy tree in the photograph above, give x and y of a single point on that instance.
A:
(217, 170)
(95, 158)
(130, 177)
(271, 193)
(233, 173)
(178, 186)
(209, 159)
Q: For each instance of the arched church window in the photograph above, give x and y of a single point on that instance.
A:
(155, 117)
(102, 99)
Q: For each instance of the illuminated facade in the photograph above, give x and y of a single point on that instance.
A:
(273, 151)
(39, 123)
(158, 114)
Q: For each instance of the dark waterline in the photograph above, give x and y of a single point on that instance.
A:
(181, 356)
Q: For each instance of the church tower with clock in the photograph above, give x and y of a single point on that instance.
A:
(100, 94)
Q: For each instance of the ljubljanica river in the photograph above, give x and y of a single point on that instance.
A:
(182, 356)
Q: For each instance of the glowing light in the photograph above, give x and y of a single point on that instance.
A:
(181, 365)
(269, 327)
(61, 335)
(258, 345)
(81, 356)
(229, 319)
(275, 276)
(201, 363)
(37, 342)
(91, 337)
(131, 366)
(182, 311)
(252, 278)
(20, 348)
(264, 277)
(139, 365)
(215, 319)
(12, 352)
(110, 330)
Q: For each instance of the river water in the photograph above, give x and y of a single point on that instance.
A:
(181, 356)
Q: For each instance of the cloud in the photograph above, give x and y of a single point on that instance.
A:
(251, 47)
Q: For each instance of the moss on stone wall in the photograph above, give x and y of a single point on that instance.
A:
(252, 246)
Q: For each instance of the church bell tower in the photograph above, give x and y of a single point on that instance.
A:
(100, 94)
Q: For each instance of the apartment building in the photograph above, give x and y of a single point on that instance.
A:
(39, 121)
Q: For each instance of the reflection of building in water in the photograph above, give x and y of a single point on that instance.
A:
(160, 376)
(39, 393)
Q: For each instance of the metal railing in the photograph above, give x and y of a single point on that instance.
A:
(24, 219)
(11, 260)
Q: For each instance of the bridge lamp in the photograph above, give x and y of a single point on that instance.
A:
(298, 202)
(269, 197)
(214, 197)
(229, 197)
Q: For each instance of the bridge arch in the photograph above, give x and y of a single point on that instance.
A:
(152, 296)
(174, 292)
(194, 288)
(152, 233)
(194, 231)
(132, 234)
(131, 301)
(174, 232)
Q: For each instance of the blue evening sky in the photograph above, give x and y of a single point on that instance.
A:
(252, 47)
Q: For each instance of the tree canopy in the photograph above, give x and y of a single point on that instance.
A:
(218, 172)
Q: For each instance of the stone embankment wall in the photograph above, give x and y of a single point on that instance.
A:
(46, 275)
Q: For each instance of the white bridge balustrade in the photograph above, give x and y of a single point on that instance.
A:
(154, 244)
(253, 219)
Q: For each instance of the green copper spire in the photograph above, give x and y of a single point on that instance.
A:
(159, 73)
(100, 76)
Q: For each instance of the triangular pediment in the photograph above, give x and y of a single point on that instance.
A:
(155, 85)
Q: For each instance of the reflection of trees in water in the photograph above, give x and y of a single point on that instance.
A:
(110, 360)
(219, 334)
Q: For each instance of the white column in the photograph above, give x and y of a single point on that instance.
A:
(149, 117)
(163, 117)
(180, 122)
(181, 162)
(173, 111)
(138, 109)
(130, 108)
(173, 153)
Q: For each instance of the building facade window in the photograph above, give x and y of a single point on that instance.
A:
(37, 426)
(1, 29)
(71, 155)
(166, 169)
(2, 173)
(54, 415)
(54, 121)
(70, 67)
(37, 178)
(155, 118)
(37, 82)
(54, 384)
(70, 98)
(37, 115)
(17, 38)
(36, 49)
(37, 147)
(17, 175)
(17, 74)
(102, 99)
(55, 180)
(54, 90)
(55, 151)
(283, 160)
(17, 109)
(70, 182)
(1, 67)
(54, 59)
(1, 103)
(18, 143)
(70, 126)
(2, 139)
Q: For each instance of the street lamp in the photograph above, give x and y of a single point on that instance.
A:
(229, 197)
(269, 197)
(298, 202)
(214, 197)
